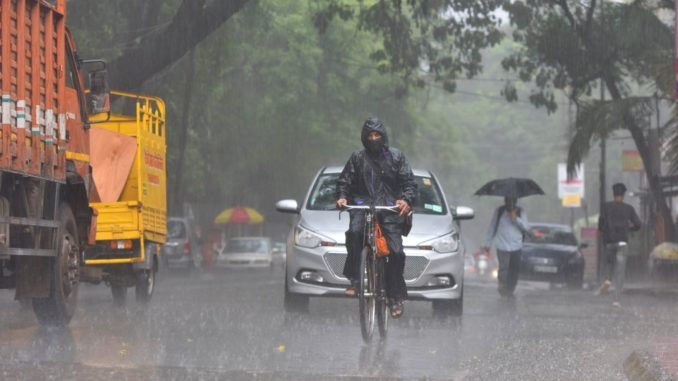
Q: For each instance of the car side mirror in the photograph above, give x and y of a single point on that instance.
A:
(462, 213)
(583, 245)
(287, 206)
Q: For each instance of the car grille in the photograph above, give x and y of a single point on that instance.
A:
(414, 265)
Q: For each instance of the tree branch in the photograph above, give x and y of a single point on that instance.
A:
(192, 23)
(589, 14)
(570, 17)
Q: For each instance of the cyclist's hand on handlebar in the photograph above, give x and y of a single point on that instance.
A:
(341, 203)
(404, 207)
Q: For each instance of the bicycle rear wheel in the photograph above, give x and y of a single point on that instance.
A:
(366, 294)
(381, 301)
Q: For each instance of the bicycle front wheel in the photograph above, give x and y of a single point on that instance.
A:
(366, 294)
(381, 301)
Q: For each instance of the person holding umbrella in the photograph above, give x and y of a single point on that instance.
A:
(508, 226)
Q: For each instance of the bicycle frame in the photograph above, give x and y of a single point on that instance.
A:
(372, 291)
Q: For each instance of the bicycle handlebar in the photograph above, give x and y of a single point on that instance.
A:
(394, 208)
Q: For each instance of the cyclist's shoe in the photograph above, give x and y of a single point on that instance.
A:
(397, 308)
(352, 290)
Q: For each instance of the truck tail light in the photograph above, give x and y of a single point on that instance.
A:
(187, 248)
(125, 244)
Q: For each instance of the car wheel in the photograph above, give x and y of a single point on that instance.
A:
(295, 303)
(451, 307)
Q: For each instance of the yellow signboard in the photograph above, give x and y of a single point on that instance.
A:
(571, 200)
(631, 161)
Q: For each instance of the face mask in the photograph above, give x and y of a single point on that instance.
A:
(375, 146)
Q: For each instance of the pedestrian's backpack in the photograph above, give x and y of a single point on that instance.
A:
(501, 211)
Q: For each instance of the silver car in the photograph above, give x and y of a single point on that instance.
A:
(316, 251)
(246, 252)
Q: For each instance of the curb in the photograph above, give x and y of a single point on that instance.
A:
(642, 366)
(656, 291)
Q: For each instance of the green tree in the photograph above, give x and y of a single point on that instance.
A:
(421, 40)
(273, 102)
(573, 46)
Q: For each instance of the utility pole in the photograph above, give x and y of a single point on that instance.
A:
(603, 144)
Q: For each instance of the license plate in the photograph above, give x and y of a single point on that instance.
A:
(546, 269)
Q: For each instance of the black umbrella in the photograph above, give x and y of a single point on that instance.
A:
(510, 187)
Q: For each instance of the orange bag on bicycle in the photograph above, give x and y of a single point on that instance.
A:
(380, 239)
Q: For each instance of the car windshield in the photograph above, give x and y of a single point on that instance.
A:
(176, 229)
(246, 246)
(550, 235)
(429, 199)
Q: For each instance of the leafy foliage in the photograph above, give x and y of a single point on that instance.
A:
(420, 40)
(597, 119)
(575, 46)
(274, 102)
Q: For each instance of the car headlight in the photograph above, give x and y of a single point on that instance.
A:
(446, 244)
(307, 238)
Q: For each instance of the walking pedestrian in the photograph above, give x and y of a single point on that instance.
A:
(507, 228)
(616, 220)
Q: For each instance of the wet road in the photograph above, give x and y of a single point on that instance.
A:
(231, 325)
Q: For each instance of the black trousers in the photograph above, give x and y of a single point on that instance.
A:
(395, 262)
(509, 268)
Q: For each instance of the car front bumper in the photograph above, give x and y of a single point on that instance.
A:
(423, 269)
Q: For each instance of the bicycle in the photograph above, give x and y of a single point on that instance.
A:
(372, 298)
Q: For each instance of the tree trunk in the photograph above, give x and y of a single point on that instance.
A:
(636, 133)
(178, 186)
(644, 150)
(191, 24)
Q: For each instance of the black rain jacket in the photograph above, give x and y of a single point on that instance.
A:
(383, 176)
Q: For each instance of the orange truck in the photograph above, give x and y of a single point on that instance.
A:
(45, 172)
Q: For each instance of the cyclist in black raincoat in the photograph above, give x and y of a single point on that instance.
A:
(381, 175)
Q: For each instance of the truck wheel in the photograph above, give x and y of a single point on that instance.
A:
(145, 285)
(58, 308)
(119, 295)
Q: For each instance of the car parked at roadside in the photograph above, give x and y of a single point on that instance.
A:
(552, 254)
(279, 254)
(316, 251)
(181, 249)
(246, 252)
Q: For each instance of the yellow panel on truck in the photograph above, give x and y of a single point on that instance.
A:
(130, 178)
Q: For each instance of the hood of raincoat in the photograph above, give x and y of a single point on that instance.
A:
(377, 146)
